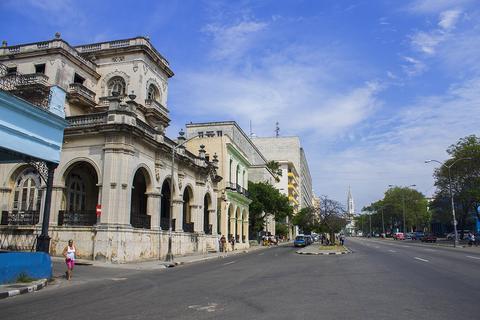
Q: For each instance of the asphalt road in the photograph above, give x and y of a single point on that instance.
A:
(380, 280)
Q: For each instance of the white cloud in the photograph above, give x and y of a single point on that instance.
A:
(449, 18)
(392, 150)
(414, 67)
(427, 42)
(231, 42)
(435, 6)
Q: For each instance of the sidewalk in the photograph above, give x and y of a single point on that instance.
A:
(14, 289)
(316, 249)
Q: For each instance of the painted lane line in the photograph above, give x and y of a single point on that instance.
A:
(376, 247)
(261, 254)
(417, 258)
(392, 251)
(229, 263)
(478, 258)
(428, 249)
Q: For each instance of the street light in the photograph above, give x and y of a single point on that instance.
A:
(403, 205)
(455, 242)
(180, 143)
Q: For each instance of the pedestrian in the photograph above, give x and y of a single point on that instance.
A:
(69, 254)
(223, 242)
(232, 241)
(471, 239)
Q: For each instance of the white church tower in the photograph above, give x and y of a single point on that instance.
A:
(350, 227)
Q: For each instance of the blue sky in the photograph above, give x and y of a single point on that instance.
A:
(373, 88)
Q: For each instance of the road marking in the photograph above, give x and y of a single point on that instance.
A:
(478, 258)
(392, 251)
(376, 247)
(428, 249)
(118, 279)
(424, 260)
(406, 246)
(211, 307)
(229, 263)
(261, 254)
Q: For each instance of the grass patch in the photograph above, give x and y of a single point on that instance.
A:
(24, 278)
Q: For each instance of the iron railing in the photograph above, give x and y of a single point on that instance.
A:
(140, 221)
(87, 120)
(77, 218)
(20, 218)
(236, 187)
(188, 227)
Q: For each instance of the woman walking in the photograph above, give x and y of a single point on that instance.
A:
(69, 254)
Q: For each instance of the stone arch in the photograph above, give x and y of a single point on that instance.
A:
(230, 225)
(187, 214)
(109, 76)
(148, 175)
(207, 206)
(68, 166)
(153, 82)
(165, 204)
(245, 225)
(80, 179)
(239, 226)
(139, 199)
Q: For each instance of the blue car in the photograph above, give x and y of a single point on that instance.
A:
(300, 241)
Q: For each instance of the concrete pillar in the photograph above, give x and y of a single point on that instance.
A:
(57, 195)
(178, 214)
(153, 209)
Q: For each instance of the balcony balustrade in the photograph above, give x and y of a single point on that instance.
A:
(78, 93)
(20, 218)
(236, 187)
(92, 119)
(77, 218)
(148, 130)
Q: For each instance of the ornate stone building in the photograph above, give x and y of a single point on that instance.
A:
(115, 158)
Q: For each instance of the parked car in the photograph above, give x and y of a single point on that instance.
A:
(410, 236)
(299, 241)
(398, 236)
(451, 235)
(418, 235)
(308, 239)
(429, 238)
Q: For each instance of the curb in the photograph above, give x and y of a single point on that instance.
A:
(38, 286)
(325, 253)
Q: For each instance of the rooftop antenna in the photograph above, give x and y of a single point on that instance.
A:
(277, 130)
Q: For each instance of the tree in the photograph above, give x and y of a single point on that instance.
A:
(306, 219)
(266, 200)
(332, 217)
(465, 181)
(395, 200)
(274, 166)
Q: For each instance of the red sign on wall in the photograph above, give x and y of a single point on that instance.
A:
(99, 210)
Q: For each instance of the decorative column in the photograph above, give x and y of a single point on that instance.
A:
(43, 241)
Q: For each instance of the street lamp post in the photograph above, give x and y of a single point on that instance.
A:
(403, 206)
(455, 241)
(383, 223)
(181, 142)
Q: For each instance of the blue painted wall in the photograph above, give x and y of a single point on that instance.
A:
(37, 265)
(30, 130)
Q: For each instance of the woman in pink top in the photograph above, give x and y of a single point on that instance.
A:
(69, 254)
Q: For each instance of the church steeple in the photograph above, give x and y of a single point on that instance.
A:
(350, 204)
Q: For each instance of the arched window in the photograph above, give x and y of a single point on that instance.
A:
(27, 195)
(116, 84)
(152, 93)
(77, 196)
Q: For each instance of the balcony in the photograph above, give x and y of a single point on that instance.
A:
(155, 110)
(141, 221)
(79, 94)
(20, 218)
(237, 188)
(77, 218)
